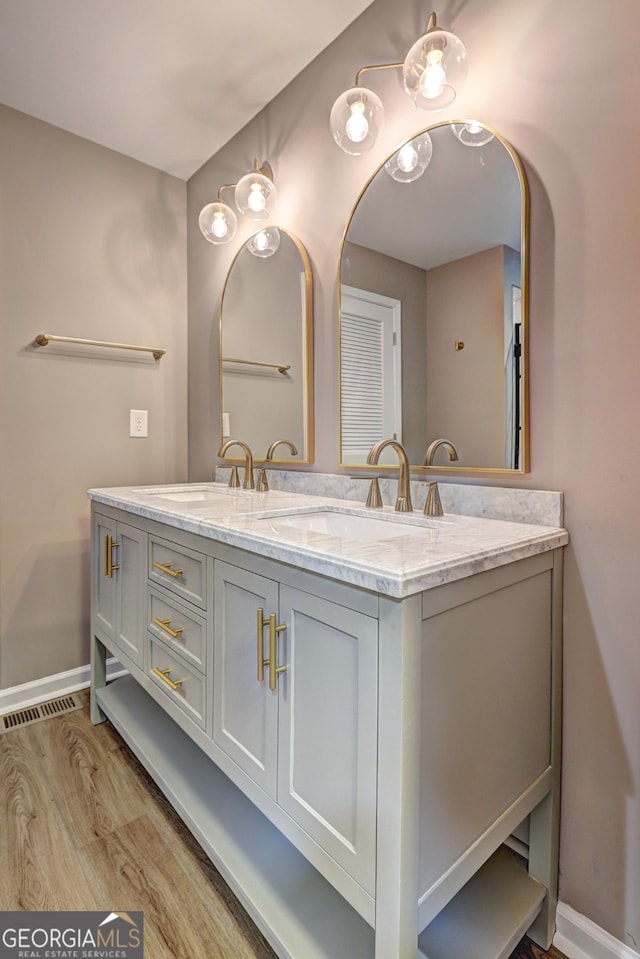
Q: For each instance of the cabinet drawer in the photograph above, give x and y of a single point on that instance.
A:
(179, 682)
(178, 627)
(179, 569)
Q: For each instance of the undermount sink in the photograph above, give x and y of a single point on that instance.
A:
(351, 526)
(192, 494)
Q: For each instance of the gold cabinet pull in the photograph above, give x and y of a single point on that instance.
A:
(108, 565)
(274, 669)
(260, 628)
(166, 568)
(163, 674)
(163, 624)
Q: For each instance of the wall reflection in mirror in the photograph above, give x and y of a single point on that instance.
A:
(433, 318)
(266, 348)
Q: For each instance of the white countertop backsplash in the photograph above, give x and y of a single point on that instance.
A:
(544, 507)
(452, 547)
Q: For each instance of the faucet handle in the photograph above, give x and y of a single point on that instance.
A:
(262, 484)
(234, 479)
(433, 506)
(374, 499)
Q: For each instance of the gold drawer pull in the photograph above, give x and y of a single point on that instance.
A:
(166, 568)
(163, 674)
(108, 565)
(163, 624)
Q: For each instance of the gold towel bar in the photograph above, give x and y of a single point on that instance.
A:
(43, 338)
(280, 367)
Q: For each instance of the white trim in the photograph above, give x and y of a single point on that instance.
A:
(51, 687)
(580, 938)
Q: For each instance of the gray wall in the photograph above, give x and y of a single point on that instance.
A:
(541, 74)
(92, 245)
(465, 388)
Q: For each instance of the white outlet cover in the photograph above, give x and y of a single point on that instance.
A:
(139, 423)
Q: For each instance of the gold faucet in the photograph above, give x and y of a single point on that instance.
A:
(262, 484)
(432, 447)
(433, 505)
(248, 464)
(403, 500)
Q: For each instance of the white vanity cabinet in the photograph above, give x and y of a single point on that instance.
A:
(351, 761)
(295, 696)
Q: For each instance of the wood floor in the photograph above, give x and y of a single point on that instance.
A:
(83, 827)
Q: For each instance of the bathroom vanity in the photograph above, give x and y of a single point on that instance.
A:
(352, 710)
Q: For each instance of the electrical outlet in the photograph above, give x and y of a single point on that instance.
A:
(138, 423)
(226, 429)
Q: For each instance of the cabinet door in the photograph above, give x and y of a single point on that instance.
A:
(245, 711)
(327, 749)
(131, 580)
(104, 585)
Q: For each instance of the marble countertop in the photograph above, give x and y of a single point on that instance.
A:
(413, 554)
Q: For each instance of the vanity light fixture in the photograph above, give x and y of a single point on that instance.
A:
(471, 133)
(253, 194)
(433, 71)
(265, 242)
(254, 191)
(217, 221)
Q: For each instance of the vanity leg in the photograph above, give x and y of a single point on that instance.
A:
(98, 677)
(544, 822)
(543, 866)
(399, 682)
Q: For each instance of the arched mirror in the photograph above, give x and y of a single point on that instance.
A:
(433, 304)
(266, 348)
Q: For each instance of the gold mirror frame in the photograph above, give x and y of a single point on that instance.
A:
(275, 368)
(524, 280)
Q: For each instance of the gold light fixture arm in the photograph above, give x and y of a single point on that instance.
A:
(225, 186)
(376, 66)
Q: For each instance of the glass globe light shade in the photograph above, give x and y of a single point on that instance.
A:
(411, 160)
(253, 194)
(356, 120)
(472, 134)
(218, 223)
(435, 69)
(265, 242)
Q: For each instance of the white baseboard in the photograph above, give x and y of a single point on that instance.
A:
(580, 938)
(51, 687)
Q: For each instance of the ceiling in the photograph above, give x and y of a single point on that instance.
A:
(167, 82)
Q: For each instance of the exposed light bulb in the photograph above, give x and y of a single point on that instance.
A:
(261, 240)
(407, 158)
(357, 125)
(473, 127)
(256, 201)
(434, 78)
(411, 160)
(219, 226)
(265, 242)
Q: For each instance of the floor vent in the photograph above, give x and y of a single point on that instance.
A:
(36, 714)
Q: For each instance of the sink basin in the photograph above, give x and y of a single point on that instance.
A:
(351, 526)
(191, 494)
